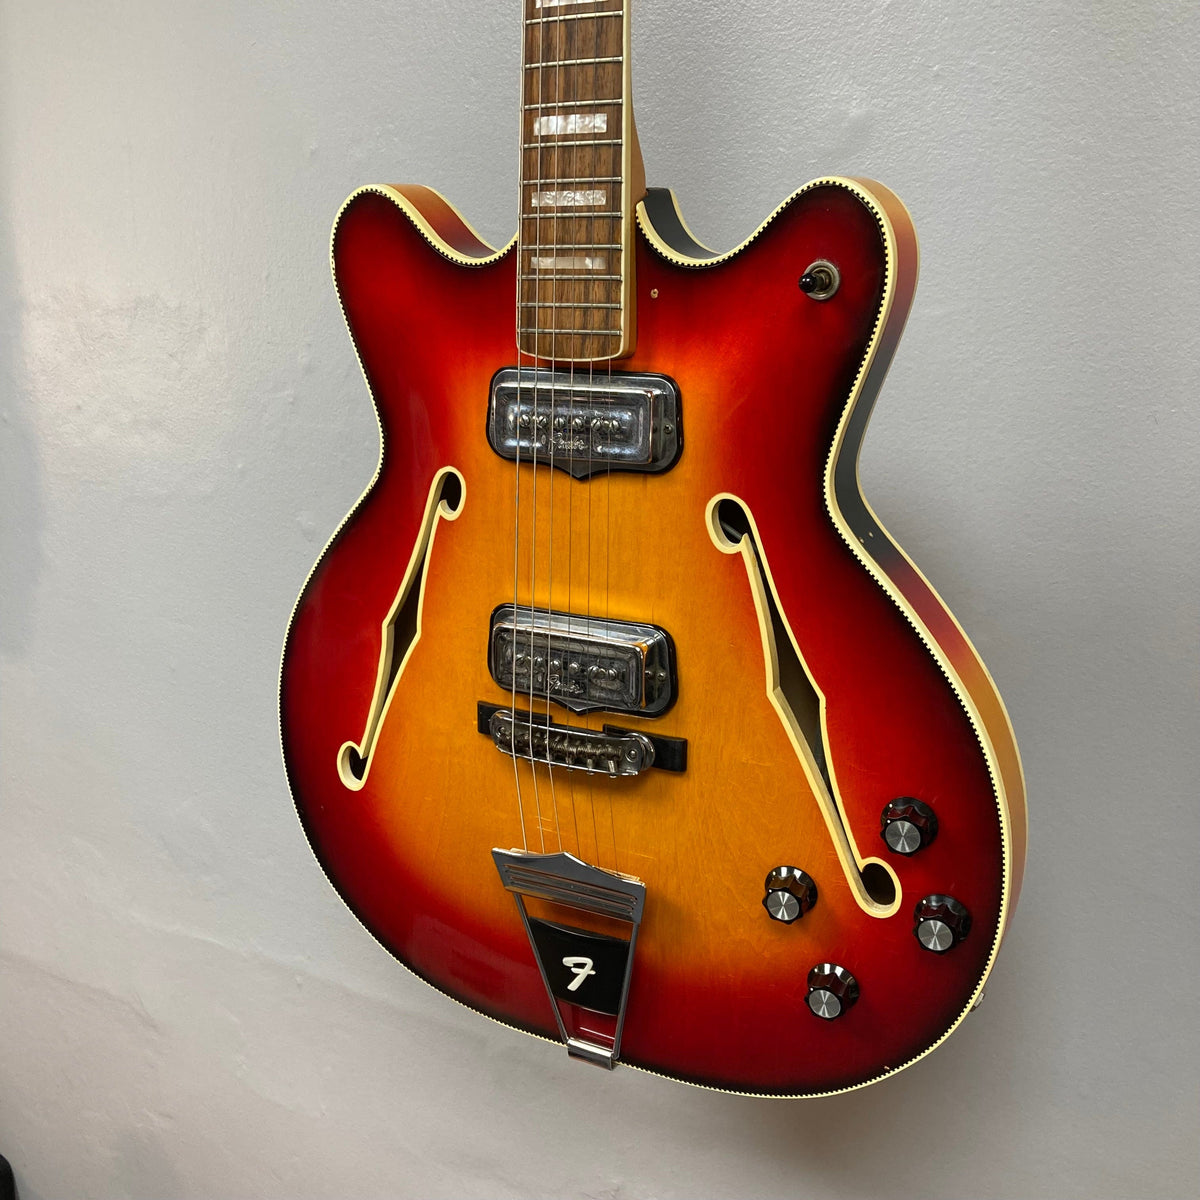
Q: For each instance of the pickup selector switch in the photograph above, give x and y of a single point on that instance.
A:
(908, 825)
(790, 894)
(831, 990)
(820, 280)
(940, 923)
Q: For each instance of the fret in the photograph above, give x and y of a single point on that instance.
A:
(578, 246)
(588, 257)
(569, 332)
(574, 179)
(574, 62)
(572, 215)
(573, 142)
(567, 228)
(564, 304)
(556, 276)
(598, 103)
(588, 16)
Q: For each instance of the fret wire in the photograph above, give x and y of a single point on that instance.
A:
(579, 332)
(573, 103)
(574, 62)
(588, 16)
(575, 179)
(555, 276)
(573, 215)
(574, 246)
(578, 142)
(561, 304)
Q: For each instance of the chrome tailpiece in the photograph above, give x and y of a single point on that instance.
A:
(586, 973)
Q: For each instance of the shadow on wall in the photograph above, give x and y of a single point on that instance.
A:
(21, 513)
(915, 1134)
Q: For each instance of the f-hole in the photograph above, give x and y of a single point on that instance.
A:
(402, 626)
(802, 697)
(799, 704)
(881, 887)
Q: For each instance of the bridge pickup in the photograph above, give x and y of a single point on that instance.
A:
(583, 663)
(583, 424)
(572, 752)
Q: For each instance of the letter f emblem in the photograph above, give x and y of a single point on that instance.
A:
(581, 966)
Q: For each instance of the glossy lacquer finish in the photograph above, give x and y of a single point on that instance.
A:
(775, 389)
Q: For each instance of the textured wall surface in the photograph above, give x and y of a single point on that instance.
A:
(186, 1009)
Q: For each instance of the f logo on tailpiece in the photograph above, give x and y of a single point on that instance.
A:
(581, 966)
(586, 973)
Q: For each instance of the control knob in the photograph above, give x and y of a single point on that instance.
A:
(831, 990)
(940, 923)
(908, 825)
(790, 894)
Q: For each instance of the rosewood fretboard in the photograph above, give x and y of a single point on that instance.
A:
(579, 180)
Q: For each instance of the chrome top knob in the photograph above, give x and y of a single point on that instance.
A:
(907, 825)
(790, 894)
(940, 923)
(831, 991)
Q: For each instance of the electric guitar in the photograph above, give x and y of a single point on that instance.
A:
(611, 709)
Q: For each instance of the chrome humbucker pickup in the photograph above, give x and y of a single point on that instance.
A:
(582, 663)
(584, 423)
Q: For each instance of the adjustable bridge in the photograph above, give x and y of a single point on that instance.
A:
(613, 751)
(586, 973)
(616, 752)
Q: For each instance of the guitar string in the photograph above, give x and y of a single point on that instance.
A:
(591, 318)
(522, 401)
(625, 266)
(590, 436)
(533, 441)
(589, 431)
(556, 294)
(517, 442)
(553, 471)
(572, 485)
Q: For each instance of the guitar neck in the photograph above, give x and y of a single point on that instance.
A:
(581, 177)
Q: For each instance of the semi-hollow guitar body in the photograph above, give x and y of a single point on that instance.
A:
(819, 708)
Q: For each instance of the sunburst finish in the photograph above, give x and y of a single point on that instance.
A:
(775, 391)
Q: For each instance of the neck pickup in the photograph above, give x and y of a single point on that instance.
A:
(585, 425)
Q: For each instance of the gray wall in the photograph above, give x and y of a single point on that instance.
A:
(186, 1009)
